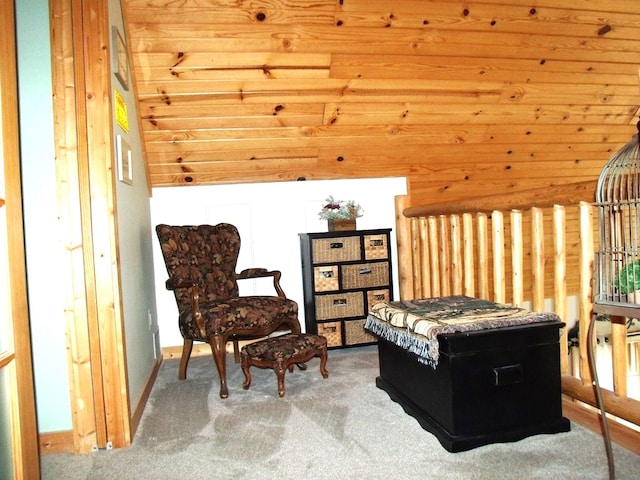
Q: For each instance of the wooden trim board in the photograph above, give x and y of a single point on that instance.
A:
(144, 397)
(591, 419)
(63, 441)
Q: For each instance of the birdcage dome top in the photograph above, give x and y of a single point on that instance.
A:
(619, 180)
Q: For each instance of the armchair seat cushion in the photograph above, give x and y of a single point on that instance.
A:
(235, 314)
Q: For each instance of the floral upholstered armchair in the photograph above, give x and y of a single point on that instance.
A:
(201, 262)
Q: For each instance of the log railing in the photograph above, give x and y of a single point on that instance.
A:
(530, 252)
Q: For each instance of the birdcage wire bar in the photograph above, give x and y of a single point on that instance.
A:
(617, 262)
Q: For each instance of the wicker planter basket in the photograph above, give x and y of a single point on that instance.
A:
(342, 224)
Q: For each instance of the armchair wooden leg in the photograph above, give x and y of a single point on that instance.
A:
(218, 348)
(184, 360)
(323, 363)
(236, 350)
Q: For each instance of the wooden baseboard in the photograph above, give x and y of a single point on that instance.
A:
(200, 349)
(144, 397)
(62, 441)
(56, 442)
(591, 419)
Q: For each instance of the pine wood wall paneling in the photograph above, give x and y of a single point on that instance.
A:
(104, 222)
(86, 195)
(244, 66)
(239, 38)
(260, 115)
(378, 135)
(606, 6)
(101, 220)
(162, 157)
(438, 78)
(471, 164)
(279, 169)
(221, 62)
(362, 90)
(88, 269)
(440, 67)
(470, 111)
(508, 16)
(320, 12)
(349, 114)
(372, 168)
(84, 405)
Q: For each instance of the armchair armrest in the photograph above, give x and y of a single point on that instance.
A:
(173, 284)
(196, 313)
(260, 273)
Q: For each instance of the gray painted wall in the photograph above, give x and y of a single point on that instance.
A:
(135, 241)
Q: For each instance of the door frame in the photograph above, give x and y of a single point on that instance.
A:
(16, 359)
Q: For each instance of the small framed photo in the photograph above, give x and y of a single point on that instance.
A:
(119, 58)
(125, 164)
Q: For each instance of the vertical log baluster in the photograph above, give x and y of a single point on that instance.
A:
(517, 271)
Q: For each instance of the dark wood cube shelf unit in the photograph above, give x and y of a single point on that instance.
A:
(344, 275)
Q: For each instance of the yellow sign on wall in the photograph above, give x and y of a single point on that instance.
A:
(122, 117)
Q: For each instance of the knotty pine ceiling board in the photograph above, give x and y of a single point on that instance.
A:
(459, 96)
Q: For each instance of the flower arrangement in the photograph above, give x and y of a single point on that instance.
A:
(340, 210)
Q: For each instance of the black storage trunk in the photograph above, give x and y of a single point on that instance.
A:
(496, 385)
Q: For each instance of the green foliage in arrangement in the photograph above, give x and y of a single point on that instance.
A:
(628, 280)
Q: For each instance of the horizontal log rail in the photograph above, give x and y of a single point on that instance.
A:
(470, 248)
(569, 194)
(622, 407)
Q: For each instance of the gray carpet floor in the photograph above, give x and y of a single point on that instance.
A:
(336, 428)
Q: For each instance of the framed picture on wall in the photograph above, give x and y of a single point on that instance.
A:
(119, 58)
(125, 164)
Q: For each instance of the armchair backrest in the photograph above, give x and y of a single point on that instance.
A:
(202, 254)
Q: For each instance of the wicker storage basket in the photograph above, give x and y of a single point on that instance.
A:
(354, 333)
(325, 278)
(375, 247)
(332, 332)
(336, 249)
(377, 296)
(365, 275)
(339, 305)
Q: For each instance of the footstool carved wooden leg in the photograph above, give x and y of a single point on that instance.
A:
(247, 374)
(280, 369)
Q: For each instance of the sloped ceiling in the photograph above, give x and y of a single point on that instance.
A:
(464, 98)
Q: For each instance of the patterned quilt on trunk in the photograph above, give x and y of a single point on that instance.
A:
(415, 324)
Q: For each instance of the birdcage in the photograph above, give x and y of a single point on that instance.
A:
(617, 262)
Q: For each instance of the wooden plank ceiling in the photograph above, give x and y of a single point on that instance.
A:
(464, 98)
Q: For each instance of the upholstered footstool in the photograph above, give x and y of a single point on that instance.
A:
(281, 353)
